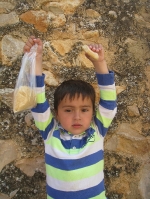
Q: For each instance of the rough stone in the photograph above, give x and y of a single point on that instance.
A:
(11, 49)
(144, 183)
(7, 96)
(112, 14)
(92, 13)
(62, 46)
(135, 47)
(30, 165)
(83, 61)
(68, 7)
(69, 33)
(129, 141)
(58, 21)
(46, 65)
(13, 193)
(54, 7)
(8, 19)
(120, 89)
(28, 119)
(4, 196)
(8, 153)
(52, 56)
(147, 72)
(133, 110)
(141, 21)
(91, 35)
(50, 78)
(6, 7)
(38, 18)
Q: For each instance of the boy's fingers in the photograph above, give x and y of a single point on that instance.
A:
(29, 44)
(26, 48)
(95, 47)
(32, 37)
(38, 41)
(31, 41)
(91, 46)
(100, 46)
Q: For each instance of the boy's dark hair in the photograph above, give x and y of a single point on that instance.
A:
(72, 88)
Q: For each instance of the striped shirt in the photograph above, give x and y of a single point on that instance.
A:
(75, 163)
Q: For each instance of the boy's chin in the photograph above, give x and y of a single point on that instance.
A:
(77, 131)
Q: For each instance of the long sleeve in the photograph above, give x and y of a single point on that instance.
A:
(42, 115)
(107, 105)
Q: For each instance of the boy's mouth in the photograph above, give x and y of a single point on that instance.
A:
(76, 125)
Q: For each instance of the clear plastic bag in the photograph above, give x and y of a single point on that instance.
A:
(24, 94)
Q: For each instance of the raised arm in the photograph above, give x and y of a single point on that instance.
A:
(100, 64)
(30, 42)
(107, 104)
(42, 114)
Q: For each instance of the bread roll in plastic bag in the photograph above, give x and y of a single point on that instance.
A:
(24, 94)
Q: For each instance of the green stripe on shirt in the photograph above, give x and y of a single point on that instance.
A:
(42, 125)
(100, 196)
(108, 95)
(76, 174)
(40, 97)
(105, 121)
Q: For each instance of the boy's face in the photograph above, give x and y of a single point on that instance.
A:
(75, 115)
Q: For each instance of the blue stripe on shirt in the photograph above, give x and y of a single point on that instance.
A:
(74, 143)
(83, 194)
(111, 105)
(47, 130)
(40, 80)
(41, 108)
(105, 79)
(101, 128)
(73, 164)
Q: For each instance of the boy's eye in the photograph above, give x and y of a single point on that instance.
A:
(68, 110)
(84, 110)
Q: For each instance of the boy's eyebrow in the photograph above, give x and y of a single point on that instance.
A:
(73, 106)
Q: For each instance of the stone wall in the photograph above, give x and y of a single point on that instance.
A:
(123, 28)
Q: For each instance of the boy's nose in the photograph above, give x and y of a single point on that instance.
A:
(77, 115)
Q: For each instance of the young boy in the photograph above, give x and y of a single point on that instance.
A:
(74, 139)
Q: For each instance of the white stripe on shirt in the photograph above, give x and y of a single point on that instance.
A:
(75, 185)
(108, 87)
(89, 150)
(39, 89)
(106, 112)
(41, 117)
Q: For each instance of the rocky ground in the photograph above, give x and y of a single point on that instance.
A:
(123, 28)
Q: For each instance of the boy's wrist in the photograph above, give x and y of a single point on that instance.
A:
(39, 57)
(101, 67)
(39, 64)
(101, 62)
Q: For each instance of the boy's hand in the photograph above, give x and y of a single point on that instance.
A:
(31, 41)
(97, 48)
(99, 64)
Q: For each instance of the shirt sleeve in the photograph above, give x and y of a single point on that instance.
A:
(42, 115)
(107, 107)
